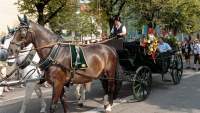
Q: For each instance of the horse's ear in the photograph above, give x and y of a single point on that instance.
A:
(26, 19)
(9, 30)
(20, 19)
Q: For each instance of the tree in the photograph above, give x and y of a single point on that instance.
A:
(176, 15)
(60, 14)
(43, 10)
(80, 23)
(104, 10)
(183, 16)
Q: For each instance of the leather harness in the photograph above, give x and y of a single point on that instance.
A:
(50, 60)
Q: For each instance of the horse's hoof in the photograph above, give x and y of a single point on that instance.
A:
(80, 105)
(107, 108)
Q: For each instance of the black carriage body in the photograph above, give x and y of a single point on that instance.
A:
(138, 66)
(132, 56)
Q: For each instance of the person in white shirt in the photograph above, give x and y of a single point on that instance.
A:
(196, 51)
(163, 46)
(164, 57)
(118, 30)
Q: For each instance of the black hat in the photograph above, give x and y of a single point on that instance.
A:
(117, 18)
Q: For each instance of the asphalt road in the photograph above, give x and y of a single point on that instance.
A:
(164, 98)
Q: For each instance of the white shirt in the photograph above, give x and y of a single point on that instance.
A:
(123, 29)
(198, 48)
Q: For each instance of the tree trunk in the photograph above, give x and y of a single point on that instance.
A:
(41, 19)
(40, 10)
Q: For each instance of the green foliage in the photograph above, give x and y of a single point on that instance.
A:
(104, 10)
(82, 24)
(177, 15)
(172, 41)
(42, 10)
(60, 14)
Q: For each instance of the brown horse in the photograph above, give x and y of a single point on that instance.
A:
(101, 61)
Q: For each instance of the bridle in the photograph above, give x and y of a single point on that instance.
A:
(23, 34)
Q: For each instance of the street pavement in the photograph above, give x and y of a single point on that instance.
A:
(164, 98)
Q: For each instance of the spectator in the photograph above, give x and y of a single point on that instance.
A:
(196, 51)
(163, 46)
(186, 48)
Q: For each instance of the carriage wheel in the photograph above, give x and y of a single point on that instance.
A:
(142, 83)
(177, 69)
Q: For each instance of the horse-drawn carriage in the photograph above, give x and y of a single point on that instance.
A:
(102, 62)
(138, 66)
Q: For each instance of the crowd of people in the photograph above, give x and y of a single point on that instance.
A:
(191, 49)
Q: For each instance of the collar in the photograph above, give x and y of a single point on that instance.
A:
(51, 57)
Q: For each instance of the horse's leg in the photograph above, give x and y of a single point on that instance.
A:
(81, 90)
(111, 89)
(62, 99)
(57, 90)
(77, 91)
(40, 96)
(28, 93)
(79, 95)
(82, 96)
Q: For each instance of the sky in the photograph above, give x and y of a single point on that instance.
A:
(8, 14)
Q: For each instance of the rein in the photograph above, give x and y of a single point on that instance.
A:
(42, 47)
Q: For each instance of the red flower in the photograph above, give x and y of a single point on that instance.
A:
(150, 31)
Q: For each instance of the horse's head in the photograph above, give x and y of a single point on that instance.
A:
(22, 36)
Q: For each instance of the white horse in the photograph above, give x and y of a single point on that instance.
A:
(3, 57)
(31, 85)
(80, 91)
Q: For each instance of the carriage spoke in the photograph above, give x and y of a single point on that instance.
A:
(177, 70)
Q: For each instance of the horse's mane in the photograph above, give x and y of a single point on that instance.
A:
(43, 29)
